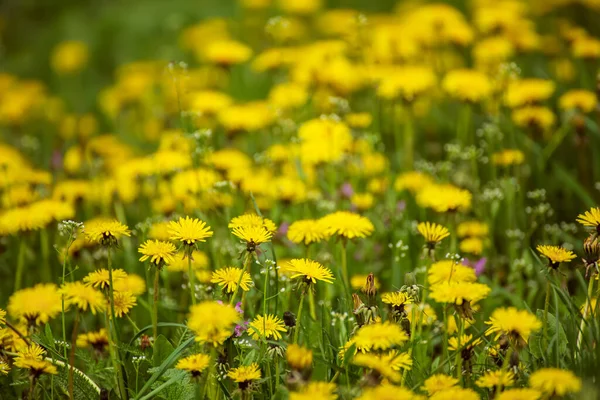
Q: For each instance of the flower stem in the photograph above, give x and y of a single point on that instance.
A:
(20, 265)
(586, 309)
(191, 279)
(115, 330)
(155, 303)
(409, 140)
(546, 307)
(298, 319)
(460, 345)
(72, 354)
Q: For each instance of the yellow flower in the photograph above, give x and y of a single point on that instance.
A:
(227, 52)
(251, 220)
(583, 100)
(407, 83)
(362, 201)
(520, 394)
(229, 277)
(357, 282)
(517, 324)
(492, 379)
(105, 232)
(195, 364)
(298, 357)
(455, 393)
(444, 198)
(396, 300)
(83, 297)
(323, 141)
(433, 233)
(252, 235)
(508, 157)
(132, 283)
(555, 382)
(2, 317)
(4, 368)
(179, 263)
(347, 225)
(39, 367)
(438, 382)
(379, 336)
(69, 57)
(412, 181)
(98, 340)
(528, 91)
(387, 365)
(212, 322)
(101, 277)
(387, 391)
(288, 95)
(299, 7)
(590, 218)
(472, 229)
(467, 85)
(466, 342)
(307, 231)
(458, 292)
(245, 374)
(534, 116)
(472, 245)
(315, 391)
(36, 305)
(157, 251)
(359, 120)
(124, 301)
(29, 353)
(556, 254)
(266, 327)
(421, 312)
(189, 231)
(310, 271)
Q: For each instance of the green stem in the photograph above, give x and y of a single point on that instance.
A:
(311, 305)
(344, 264)
(546, 307)
(46, 271)
(20, 265)
(64, 270)
(586, 309)
(458, 360)
(115, 330)
(299, 319)
(409, 140)
(191, 278)
(445, 343)
(155, 303)
(72, 354)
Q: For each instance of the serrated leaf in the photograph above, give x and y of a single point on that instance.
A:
(538, 344)
(161, 350)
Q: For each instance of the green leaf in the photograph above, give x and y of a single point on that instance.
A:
(539, 346)
(161, 350)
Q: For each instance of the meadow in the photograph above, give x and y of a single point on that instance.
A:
(300, 199)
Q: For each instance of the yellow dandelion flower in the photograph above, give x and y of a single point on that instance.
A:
(357, 282)
(310, 271)
(467, 85)
(534, 116)
(315, 391)
(105, 232)
(590, 218)
(527, 91)
(179, 263)
(252, 235)
(449, 271)
(4, 368)
(455, 393)
(195, 364)
(98, 340)
(437, 383)
(421, 312)
(379, 336)
(212, 322)
(2, 317)
(433, 233)
(520, 394)
(124, 301)
(39, 367)
(266, 327)
(83, 297)
(508, 157)
(444, 198)
(306, 231)
(387, 391)
(583, 100)
(459, 292)
(412, 181)
(555, 382)
(157, 251)
(517, 324)
(396, 300)
(492, 379)
(229, 277)
(347, 225)
(36, 305)
(245, 374)
(555, 254)
(33, 352)
(299, 357)
(189, 230)
(227, 52)
(380, 363)
(69, 57)
(472, 229)
(132, 283)
(247, 220)
(101, 278)
(472, 245)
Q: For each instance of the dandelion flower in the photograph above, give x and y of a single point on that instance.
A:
(583, 100)
(516, 324)
(472, 229)
(449, 271)
(98, 340)
(101, 278)
(458, 292)
(433, 233)
(379, 336)
(347, 225)
(396, 300)
(492, 379)
(467, 85)
(311, 271)
(508, 157)
(412, 181)
(590, 218)
(379, 363)
(267, 327)
(4, 368)
(315, 391)
(38, 367)
(556, 254)
(444, 198)
(438, 382)
(244, 375)
(252, 235)
(466, 342)
(36, 305)
(105, 232)
(212, 322)
(455, 393)
(229, 277)
(189, 231)
(132, 283)
(30, 352)
(387, 391)
(157, 251)
(555, 382)
(247, 220)
(2, 317)
(83, 297)
(298, 357)
(306, 231)
(194, 364)
(124, 301)
(520, 394)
